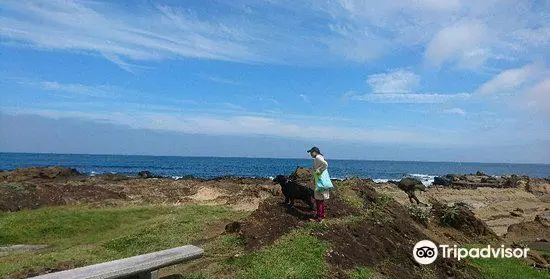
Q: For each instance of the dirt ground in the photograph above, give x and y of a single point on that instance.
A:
(272, 219)
(30, 195)
(38, 187)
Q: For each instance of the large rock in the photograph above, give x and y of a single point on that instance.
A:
(515, 181)
(302, 175)
(544, 218)
(145, 174)
(529, 231)
(481, 179)
(443, 180)
(460, 217)
(538, 186)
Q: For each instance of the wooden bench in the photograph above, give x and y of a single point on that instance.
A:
(141, 266)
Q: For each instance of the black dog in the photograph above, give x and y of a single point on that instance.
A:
(294, 191)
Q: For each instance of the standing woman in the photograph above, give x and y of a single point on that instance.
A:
(322, 182)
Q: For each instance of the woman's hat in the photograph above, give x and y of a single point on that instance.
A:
(316, 149)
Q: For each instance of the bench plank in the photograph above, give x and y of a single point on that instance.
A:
(130, 266)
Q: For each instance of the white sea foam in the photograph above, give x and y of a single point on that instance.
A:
(175, 177)
(380, 180)
(426, 179)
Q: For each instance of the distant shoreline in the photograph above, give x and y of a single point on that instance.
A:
(277, 158)
(427, 180)
(213, 167)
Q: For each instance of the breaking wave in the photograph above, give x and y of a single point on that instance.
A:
(426, 179)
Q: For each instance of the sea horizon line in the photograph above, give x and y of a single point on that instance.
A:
(277, 158)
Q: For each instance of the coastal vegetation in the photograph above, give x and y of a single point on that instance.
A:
(246, 232)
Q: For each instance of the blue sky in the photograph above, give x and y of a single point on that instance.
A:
(445, 77)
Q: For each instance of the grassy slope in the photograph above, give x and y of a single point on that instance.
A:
(295, 255)
(85, 235)
(508, 269)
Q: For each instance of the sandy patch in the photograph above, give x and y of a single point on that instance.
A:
(207, 194)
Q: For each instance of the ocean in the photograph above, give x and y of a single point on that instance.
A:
(209, 167)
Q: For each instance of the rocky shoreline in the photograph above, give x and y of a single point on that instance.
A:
(481, 179)
(31, 188)
(38, 186)
(472, 180)
(498, 201)
(514, 210)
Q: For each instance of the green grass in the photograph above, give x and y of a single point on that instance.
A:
(348, 195)
(295, 255)
(361, 273)
(216, 261)
(57, 225)
(419, 214)
(317, 227)
(86, 235)
(543, 251)
(378, 210)
(15, 186)
(508, 269)
(187, 276)
(383, 199)
(450, 213)
(192, 276)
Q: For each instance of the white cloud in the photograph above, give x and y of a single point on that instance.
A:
(399, 86)
(463, 42)
(222, 80)
(355, 43)
(539, 37)
(129, 67)
(470, 33)
(235, 125)
(304, 98)
(79, 89)
(509, 80)
(449, 5)
(465, 33)
(156, 33)
(524, 91)
(232, 106)
(100, 95)
(457, 111)
(397, 81)
(407, 98)
(134, 101)
(273, 100)
(537, 98)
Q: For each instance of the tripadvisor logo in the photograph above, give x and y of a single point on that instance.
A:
(426, 252)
